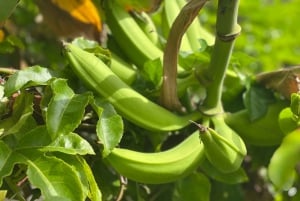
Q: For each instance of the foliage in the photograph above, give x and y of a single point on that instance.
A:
(58, 130)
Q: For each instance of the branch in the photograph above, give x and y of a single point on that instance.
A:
(169, 98)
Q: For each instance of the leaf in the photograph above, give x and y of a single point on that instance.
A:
(85, 174)
(238, 176)
(257, 100)
(70, 143)
(6, 8)
(109, 126)
(153, 71)
(196, 186)
(21, 118)
(8, 159)
(65, 109)
(53, 176)
(31, 76)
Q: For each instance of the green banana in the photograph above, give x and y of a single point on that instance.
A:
(262, 132)
(160, 167)
(128, 34)
(122, 69)
(129, 103)
(281, 169)
(224, 149)
(196, 31)
(147, 25)
(169, 14)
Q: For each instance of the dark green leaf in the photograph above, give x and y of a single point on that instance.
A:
(257, 100)
(65, 109)
(21, 118)
(109, 126)
(32, 76)
(8, 159)
(6, 8)
(196, 186)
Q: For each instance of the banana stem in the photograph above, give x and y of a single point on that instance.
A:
(227, 30)
(169, 97)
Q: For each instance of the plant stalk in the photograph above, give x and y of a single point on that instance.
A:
(227, 29)
(169, 98)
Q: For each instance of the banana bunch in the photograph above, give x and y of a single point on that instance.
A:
(129, 103)
(224, 148)
(160, 167)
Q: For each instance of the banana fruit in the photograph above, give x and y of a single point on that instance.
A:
(128, 34)
(161, 167)
(147, 25)
(262, 132)
(281, 169)
(129, 103)
(224, 149)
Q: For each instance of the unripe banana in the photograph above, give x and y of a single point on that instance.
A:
(147, 25)
(130, 37)
(224, 149)
(129, 103)
(122, 69)
(281, 169)
(160, 167)
(264, 131)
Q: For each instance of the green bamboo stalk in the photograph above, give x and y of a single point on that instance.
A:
(227, 30)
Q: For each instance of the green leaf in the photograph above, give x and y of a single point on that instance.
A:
(65, 109)
(282, 165)
(21, 118)
(153, 71)
(85, 174)
(6, 8)
(8, 159)
(238, 176)
(32, 76)
(53, 176)
(196, 186)
(109, 125)
(70, 143)
(257, 100)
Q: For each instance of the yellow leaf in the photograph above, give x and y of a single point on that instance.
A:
(1, 35)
